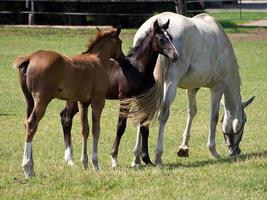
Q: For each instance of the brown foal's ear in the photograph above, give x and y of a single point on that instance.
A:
(118, 31)
(156, 26)
(166, 25)
(98, 29)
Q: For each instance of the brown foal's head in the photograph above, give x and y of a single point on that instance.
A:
(114, 41)
(108, 41)
(117, 54)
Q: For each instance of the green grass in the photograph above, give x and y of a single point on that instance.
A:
(198, 177)
(232, 20)
(245, 16)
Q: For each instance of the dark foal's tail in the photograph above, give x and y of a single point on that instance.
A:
(22, 63)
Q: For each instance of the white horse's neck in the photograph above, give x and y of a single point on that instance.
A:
(232, 102)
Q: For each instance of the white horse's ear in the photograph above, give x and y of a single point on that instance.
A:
(246, 103)
(156, 26)
(166, 25)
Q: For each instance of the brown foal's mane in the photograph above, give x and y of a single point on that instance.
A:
(101, 34)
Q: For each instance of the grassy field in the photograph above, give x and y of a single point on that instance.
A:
(231, 20)
(197, 177)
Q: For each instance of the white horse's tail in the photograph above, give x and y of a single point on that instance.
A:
(145, 108)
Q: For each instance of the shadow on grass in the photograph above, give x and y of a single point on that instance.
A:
(7, 114)
(241, 158)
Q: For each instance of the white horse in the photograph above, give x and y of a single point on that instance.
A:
(206, 59)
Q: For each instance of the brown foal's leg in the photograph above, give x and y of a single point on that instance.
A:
(67, 115)
(121, 125)
(31, 125)
(28, 97)
(97, 107)
(83, 109)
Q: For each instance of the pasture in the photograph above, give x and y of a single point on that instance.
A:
(196, 177)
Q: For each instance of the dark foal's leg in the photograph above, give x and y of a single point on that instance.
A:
(121, 125)
(141, 146)
(67, 115)
(145, 155)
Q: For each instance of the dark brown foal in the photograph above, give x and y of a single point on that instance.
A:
(131, 77)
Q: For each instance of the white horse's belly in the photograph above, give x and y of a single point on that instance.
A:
(198, 76)
(186, 83)
(194, 81)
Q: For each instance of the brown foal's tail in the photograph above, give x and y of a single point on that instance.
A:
(22, 63)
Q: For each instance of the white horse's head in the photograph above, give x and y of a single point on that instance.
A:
(233, 129)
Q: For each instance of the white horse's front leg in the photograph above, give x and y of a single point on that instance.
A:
(216, 94)
(137, 148)
(191, 113)
(169, 95)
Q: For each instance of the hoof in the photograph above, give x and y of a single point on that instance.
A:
(183, 152)
(158, 163)
(147, 160)
(136, 161)
(85, 162)
(70, 162)
(95, 166)
(85, 165)
(114, 163)
(213, 152)
(215, 155)
(28, 168)
(135, 165)
(29, 173)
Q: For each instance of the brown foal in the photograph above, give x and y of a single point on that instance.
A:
(45, 75)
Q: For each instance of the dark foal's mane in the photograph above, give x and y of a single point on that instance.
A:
(139, 42)
(99, 36)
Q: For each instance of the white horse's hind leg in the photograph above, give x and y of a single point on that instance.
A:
(216, 94)
(137, 148)
(191, 113)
